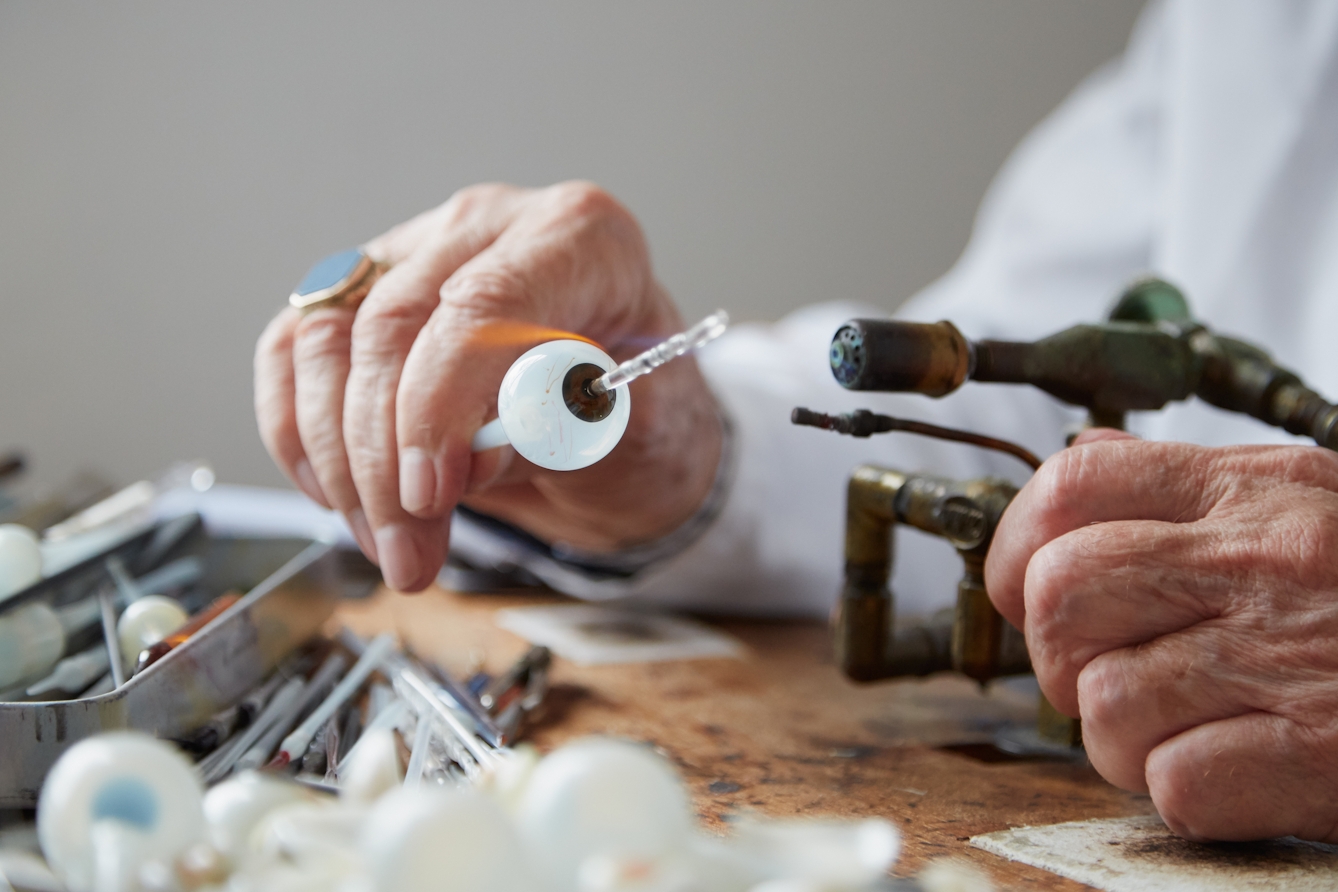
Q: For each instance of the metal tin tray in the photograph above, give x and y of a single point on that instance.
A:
(292, 588)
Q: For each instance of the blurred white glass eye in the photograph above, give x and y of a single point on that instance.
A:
(602, 797)
(830, 853)
(20, 559)
(547, 414)
(234, 808)
(424, 839)
(114, 801)
(147, 621)
(32, 639)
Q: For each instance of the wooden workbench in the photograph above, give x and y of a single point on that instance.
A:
(782, 733)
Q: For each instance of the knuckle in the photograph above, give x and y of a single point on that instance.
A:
(483, 293)
(592, 211)
(276, 338)
(1311, 464)
(1314, 538)
(1052, 574)
(470, 200)
(323, 332)
(1059, 477)
(1104, 694)
(1054, 595)
(381, 324)
(585, 199)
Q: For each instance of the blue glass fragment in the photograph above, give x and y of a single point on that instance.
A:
(330, 272)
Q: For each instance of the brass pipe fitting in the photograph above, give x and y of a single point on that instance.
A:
(1148, 353)
(977, 641)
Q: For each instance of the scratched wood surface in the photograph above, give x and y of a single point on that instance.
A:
(782, 733)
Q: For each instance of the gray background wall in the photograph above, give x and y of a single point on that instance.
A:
(168, 170)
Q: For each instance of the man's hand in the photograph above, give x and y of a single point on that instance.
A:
(1184, 602)
(372, 412)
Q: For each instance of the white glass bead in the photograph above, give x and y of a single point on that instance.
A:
(535, 416)
(601, 796)
(20, 559)
(32, 640)
(321, 832)
(147, 621)
(425, 839)
(830, 853)
(140, 796)
(235, 807)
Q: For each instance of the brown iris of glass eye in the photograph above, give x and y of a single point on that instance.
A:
(576, 393)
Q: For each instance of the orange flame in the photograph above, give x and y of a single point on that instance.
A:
(509, 333)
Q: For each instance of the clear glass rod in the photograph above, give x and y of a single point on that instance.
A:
(710, 328)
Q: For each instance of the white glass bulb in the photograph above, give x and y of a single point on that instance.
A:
(32, 640)
(601, 796)
(139, 796)
(318, 832)
(831, 853)
(233, 808)
(20, 559)
(535, 416)
(425, 839)
(147, 621)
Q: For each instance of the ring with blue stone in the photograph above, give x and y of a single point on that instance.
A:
(340, 280)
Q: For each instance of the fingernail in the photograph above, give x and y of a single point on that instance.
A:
(307, 482)
(418, 481)
(399, 557)
(362, 531)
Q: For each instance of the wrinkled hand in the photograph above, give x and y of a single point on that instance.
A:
(1184, 601)
(372, 413)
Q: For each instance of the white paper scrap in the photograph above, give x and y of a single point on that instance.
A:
(584, 633)
(1141, 855)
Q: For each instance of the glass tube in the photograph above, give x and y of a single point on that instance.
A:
(710, 328)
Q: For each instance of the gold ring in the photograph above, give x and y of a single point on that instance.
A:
(340, 280)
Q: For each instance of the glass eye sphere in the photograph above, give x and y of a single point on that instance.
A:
(147, 621)
(540, 421)
(20, 559)
(602, 796)
(425, 839)
(234, 807)
(141, 786)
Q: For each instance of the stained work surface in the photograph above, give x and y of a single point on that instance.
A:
(781, 733)
(1141, 855)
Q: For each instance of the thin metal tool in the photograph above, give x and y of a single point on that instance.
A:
(495, 693)
(106, 601)
(316, 760)
(295, 744)
(215, 769)
(129, 588)
(337, 750)
(320, 683)
(485, 726)
(710, 328)
(417, 687)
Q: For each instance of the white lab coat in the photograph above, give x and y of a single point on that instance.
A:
(1207, 154)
